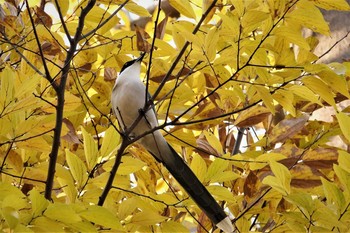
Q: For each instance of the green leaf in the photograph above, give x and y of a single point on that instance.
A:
(101, 216)
(90, 149)
(77, 168)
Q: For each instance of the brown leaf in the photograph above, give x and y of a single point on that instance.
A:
(50, 48)
(287, 128)
(26, 188)
(251, 185)
(204, 148)
(161, 28)
(43, 18)
(71, 136)
(209, 80)
(141, 38)
(321, 158)
(252, 116)
(305, 183)
(159, 78)
(110, 74)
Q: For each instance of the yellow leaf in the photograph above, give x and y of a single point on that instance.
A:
(337, 82)
(339, 5)
(147, 217)
(101, 216)
(62, 212)
(320, 88)
(44, 224)
(66, 181)
(213, 141)
(266, 97)
(39, 203)
(184, 7)
(137, 9)
(184, 29)
(344, 160)
(64, 6)
(126, 207)
(291, 35)
(198, 166)
(77, 168)
(215, 168)
(7, 87)
(344, 123)
(130, 165)
(33, 3)
(308, 15)
(253, 19)
(221, 193)
(285, 98)
(305, 93)
(110, 142)
(90, 149)
(210, 43)
(224, 176)
(83, 227)
(262, 160)
(281, 180)
(171, 226)
(333, 194)
(11, 216)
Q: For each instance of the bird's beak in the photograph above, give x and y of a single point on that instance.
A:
(141, 57)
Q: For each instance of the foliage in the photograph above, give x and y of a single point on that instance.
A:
(224, 68)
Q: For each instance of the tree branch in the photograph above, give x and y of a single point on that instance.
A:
(60, 91)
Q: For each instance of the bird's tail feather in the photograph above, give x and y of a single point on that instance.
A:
(188, 180)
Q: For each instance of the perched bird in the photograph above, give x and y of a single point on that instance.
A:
(128, 100)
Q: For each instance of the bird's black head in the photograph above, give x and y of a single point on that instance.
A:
(129, 63)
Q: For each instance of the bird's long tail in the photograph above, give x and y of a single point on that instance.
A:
(188, 180)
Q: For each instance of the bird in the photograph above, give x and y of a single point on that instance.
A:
(128, 102)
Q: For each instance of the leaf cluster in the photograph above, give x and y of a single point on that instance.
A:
(235, 85)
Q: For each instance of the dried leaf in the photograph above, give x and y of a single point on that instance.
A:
(287, 128)
(252, 116)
